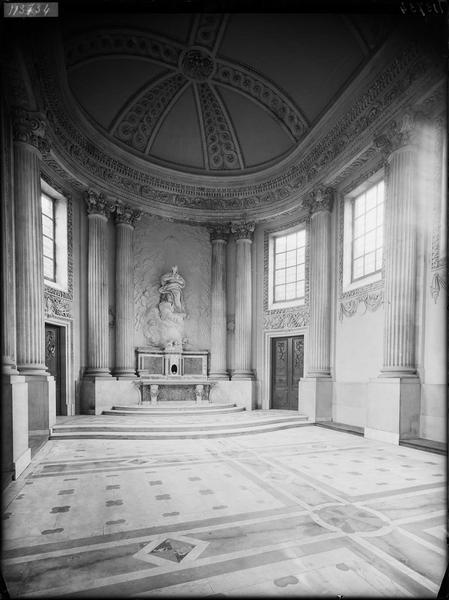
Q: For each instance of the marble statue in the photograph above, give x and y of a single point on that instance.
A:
(166, 325)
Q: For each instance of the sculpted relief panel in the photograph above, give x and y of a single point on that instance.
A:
(171, 285)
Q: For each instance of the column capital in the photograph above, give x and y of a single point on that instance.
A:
(29, 128)
(97, 204)
(243, 230)
(401, 133)
(320, 199)
(126, 215)
(219, 231)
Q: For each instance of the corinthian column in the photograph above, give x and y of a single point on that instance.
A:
(243, 233)
(400, 251)
(319, 284)
(125, 221)
(98, 210)
(219, 235)
(29, 143)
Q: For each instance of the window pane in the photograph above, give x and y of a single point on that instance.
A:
(300, 272)
(370, 241)
(300, 255)
(47, 227)
(379, 259)
(300, 289)
(279, 293)
(49, 247)
(359, 246)
(359, 226)
(359, 205)
(47, 206)
(301, 238)
(380, 191)
(379, 237)
(371, 197)
(291, 258)
(370, 262)
(370, 220)
(279, 277)
(290, 291)
(291, 274)
(280, 261)
(48, 268)
(358, 268)
(280, 244)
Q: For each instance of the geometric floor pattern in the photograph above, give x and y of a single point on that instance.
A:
(297, 512)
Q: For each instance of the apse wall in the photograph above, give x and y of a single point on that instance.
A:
(159, 245)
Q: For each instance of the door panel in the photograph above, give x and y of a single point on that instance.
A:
(53, 360)
(287, 367)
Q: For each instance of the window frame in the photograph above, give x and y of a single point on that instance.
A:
(52, 239)
(349, 282)
(274, 304)
(61, 238)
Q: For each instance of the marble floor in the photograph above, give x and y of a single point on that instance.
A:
(298, 512)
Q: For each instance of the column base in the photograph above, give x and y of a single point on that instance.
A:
(219, 375)
(124, 374)
(238, 375)
(15, 455)
(315, 398)
(242, 393)
(91, 372)
(393, 408)
(41, 402)
(102, 393)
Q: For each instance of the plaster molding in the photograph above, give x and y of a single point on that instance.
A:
(439, 280)
(320, 199)
(126, 215)
(97, 204)
(401, 133)
(372, 301)
(30, 128)
(243, 230)
(286, 319)
(207, 29)
(219, 231)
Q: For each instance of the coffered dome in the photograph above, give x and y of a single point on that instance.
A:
(213, 94)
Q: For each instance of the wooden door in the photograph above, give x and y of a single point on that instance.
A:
(287, 367)
(53, 360)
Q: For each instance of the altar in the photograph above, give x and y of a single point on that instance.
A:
(166, 375)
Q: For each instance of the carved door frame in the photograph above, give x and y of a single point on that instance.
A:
(67, 386)
(266, 379)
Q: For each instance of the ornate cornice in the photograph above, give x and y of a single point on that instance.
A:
(97, 204)
(219, 231)
(29, 128)
(126, 215)
(243, 230)
(168, 190)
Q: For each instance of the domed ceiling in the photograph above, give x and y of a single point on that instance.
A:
(213, 94)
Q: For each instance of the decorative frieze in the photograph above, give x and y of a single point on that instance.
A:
(243, 230)
(286, 319)
(57, 306)
(30, 128)
(371, 302)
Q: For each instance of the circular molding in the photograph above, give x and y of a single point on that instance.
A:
(197, 64)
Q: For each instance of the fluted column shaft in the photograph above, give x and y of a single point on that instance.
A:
(218, 368)
(29, 251)
(243, 301)
(320, 290)
(400, 265)
(97, 288)
(124, 289)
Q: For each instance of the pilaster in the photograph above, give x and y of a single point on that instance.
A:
(243, 233)
(125, 221)
(219, 235)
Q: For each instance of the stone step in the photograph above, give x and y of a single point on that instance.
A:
(175, 405)
(166, 433)
(152, 426)
(167, 411)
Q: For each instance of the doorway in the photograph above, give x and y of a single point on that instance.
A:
(287, 367)
(54, 362)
